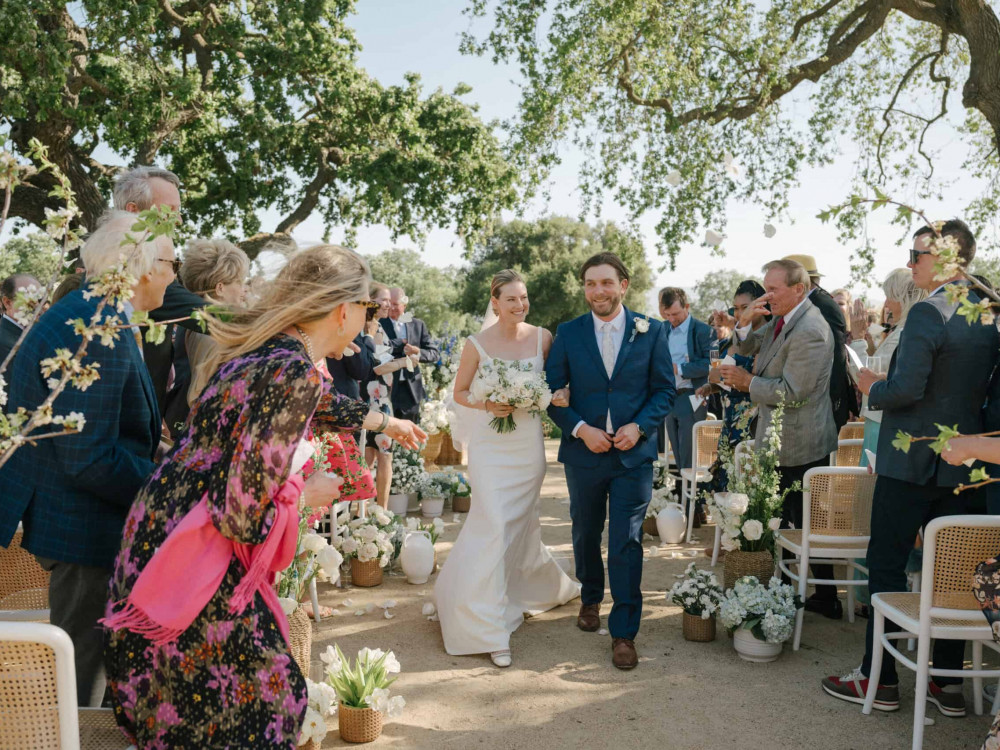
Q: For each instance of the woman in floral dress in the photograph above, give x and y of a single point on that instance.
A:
(195, 644)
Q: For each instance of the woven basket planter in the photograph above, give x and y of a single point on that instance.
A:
(366, 574)
(432, 449)
(649, 526)
(461, 503)
(697, 629)
(359, 724)
(300, 639)
(310, 745)
(449, 455)
(740, 563)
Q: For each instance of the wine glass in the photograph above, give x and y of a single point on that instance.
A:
(876, 365)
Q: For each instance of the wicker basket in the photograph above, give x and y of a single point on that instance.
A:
(359, 724)
(300, 639)
(449, 455)
(461, 503)
(649, 526)
(740, 563)
(366, 574)
(432, 449)
(697, 629)
(310, 745)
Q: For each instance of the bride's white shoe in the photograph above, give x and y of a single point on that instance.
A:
(501, 658)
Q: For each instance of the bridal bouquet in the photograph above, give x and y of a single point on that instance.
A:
(515, 384)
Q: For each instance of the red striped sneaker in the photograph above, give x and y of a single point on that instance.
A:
(949, 700)
(852, 688)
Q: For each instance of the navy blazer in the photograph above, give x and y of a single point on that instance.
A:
(699, 346)
(939, 374)
(641, 387)
(349, 372)
(10, 332)
(429, 354)
(74, 492)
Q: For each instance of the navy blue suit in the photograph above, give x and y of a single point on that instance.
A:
(617, 484)
(74, 492)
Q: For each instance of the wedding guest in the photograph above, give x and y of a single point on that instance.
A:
(196, 641)
(690, 341)
(408, 336)
(10, 329)
(74, 491)
(843, 299)
(939, 375)
(70, 283)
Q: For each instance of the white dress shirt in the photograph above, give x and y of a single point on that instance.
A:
(7, 317)
(617, 337)
(677, 342)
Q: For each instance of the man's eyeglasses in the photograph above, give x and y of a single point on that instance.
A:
(915, 255)
(177, 263)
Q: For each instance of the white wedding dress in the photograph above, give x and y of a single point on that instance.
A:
(499, 569)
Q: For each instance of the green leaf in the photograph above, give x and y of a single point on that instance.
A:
(944, 435)
(978, 475)
(902, 441)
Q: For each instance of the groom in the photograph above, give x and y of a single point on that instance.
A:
(621, 380)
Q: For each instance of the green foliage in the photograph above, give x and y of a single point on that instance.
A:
(945, 434)
(434, 292)
(36, 254)
(549, 253)
(978, 475)
(902, 441)
(716, 285)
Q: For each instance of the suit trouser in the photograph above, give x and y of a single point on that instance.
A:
(608, 489)
(791, 516)
(680, 422)
(404, 406)
(77, 597)
(899, 510)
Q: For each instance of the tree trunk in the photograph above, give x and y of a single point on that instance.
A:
(981, 29)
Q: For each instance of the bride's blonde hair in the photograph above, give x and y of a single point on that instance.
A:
(309, 287)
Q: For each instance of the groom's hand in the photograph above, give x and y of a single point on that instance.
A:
(597, 441)
(627, 436)
(561, 397)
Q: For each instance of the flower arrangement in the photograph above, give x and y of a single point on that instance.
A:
(698, 592)
(440, 375)
(515, 384)
(749, 513)
(766, 611)
(322, 702)
(662, 496)
(369, 538)
(662, 476)
(366, 682)
(407, 471)
(444, 484)
(434, 417)
(434, 528)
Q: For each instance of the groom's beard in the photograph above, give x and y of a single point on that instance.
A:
(606, 307)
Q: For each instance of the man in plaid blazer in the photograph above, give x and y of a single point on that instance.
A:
(74, 492)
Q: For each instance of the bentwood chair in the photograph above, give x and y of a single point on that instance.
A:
(836, 525)
(38, 706)
(704, 451)
(848, 453)
(24, 585)
(944, 608)
(852, 431)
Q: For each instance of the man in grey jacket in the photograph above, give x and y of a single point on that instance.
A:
(793, 354)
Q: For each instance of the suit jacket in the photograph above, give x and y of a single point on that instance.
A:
(178, 302)
(641, 388)
(348, 372)
(939, 374)
(700, 338)
(10, 332)
(408, 387)
(842, 396)
(74, 492)
(794, 365)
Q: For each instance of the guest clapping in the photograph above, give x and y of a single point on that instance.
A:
(408, 336)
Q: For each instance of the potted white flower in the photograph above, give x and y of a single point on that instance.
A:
(407, 471)
(461, 492)
(362, 688)
(662, 496)
(433, 490)
(368, 544)
(760, 617)
(699, 594)
(434, 421)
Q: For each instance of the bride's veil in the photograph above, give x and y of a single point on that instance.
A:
(462, 419)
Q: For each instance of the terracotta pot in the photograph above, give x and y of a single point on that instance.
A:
(300, 639)
(432, 449)
(750, 648)
(739, 563)
(461, 503)
(697, 629)
(366, 574)
(649, 526)
(359, 724)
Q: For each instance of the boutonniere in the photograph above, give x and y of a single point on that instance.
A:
(641, 325)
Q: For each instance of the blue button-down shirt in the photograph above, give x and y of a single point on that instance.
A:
(677, 341)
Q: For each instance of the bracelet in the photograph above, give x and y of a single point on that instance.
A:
(385, 423)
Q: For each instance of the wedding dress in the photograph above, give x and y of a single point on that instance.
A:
(499, 568)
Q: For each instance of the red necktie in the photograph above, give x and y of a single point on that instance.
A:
(777, 328)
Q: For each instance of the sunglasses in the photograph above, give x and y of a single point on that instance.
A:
(915, 255)
(175, 263)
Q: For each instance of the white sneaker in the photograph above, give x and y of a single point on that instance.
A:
(501, 658)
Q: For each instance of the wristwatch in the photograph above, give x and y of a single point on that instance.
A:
(642, 433)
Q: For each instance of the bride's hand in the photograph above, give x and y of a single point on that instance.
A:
(499, 410)
(561, 397)
(404, 432)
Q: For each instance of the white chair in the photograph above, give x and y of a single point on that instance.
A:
(944, 608)
(38, 694)
(704, 450)
(24, 584)
(848, 453)
(852, 431)
(836, 522)
(741, 450)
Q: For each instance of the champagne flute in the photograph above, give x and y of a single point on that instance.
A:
(875, 364)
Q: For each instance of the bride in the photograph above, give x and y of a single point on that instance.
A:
(499, 568)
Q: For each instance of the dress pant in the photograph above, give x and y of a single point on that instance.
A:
(899, 510)
(606, 489)
(680, 422)
(791, 517)
(77, 597)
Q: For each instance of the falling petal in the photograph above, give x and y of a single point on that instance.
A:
(654, 549)
(770, 230)
(433, 618)
(348, 602)
(359, 612)
(335, 613)
(388, 615)
(732, 166)
(713, 238)
(388, 604)
(602, 631)
(673, 178)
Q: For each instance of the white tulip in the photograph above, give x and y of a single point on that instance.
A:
(774, 524)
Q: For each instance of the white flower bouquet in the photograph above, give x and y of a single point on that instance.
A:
(661, 498)
(370, 538)
(434, 416)
(513, 384)
(698, 592)
(766, 611)
(407, 471)
(366, 682)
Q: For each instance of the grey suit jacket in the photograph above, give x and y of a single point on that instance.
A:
(796, 364)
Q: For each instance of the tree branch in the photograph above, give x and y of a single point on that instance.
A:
(892, 105)
(311, 195)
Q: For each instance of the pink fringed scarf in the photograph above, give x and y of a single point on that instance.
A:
(186, 571)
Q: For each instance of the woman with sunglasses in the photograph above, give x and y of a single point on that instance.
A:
(196, 643)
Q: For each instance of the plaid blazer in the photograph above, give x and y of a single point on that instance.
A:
(74, 492)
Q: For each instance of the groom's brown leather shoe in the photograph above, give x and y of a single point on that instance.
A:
(589, 618)
(623, 653)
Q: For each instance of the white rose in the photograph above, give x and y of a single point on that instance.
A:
(367, 533)
(737, 503)
(753, 530)
(774, 524)
(349, 546)
(728, 543)
(641, 325)
(330, 561)
(313, 543)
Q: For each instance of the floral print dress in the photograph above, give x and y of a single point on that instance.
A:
(228, 681)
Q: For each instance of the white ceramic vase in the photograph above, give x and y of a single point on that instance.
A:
(417, 556)
(432, 507)
(671, 523)
(398, 504)
(751, 648)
